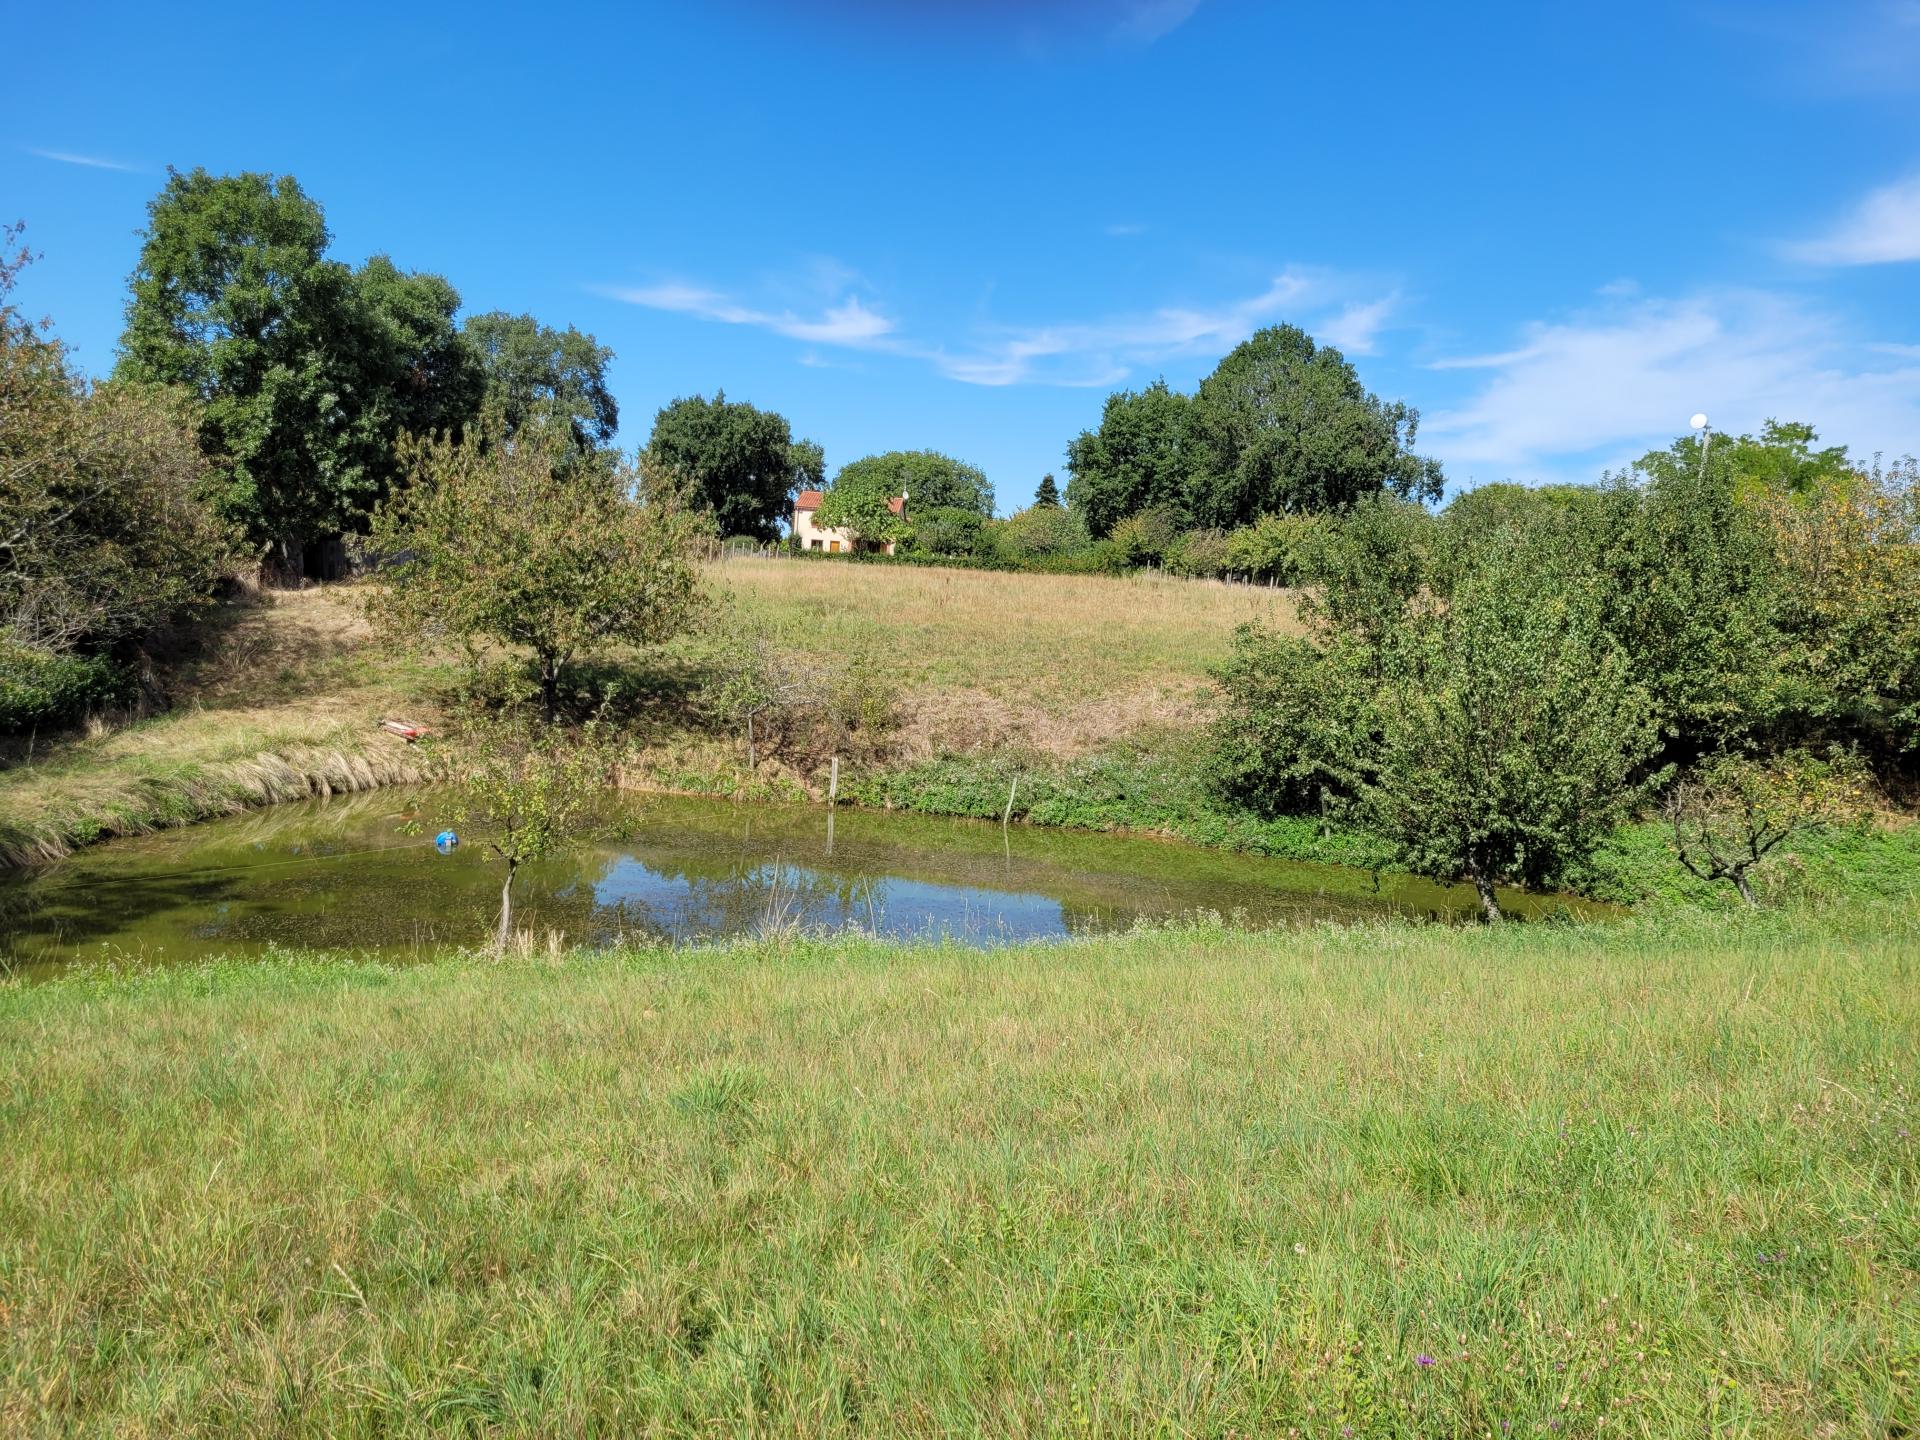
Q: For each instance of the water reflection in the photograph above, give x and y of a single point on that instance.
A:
(361, 873)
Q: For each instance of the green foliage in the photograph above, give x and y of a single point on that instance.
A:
(1369, 563)
(1284, 425)
(1782, 459)
(737, 463)
(105, 531)
(1041, 531)
(1200, 554)
(306, 371)
(1510, 729)
(1273, 548)
(512, 541)
(1136, 460)
(1297, 724)
(1146, 538)
(531, 786)
(1048, 493)
(43, 690)
(951, 531)
(532, 374)
(1731, 815)
(857, 501)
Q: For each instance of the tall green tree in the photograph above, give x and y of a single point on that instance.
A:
(533, 372)
(1048, 494)
(733, 460)
(306, 372)
(1284, 424)
(1138, 459)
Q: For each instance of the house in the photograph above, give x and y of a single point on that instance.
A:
(809, 536)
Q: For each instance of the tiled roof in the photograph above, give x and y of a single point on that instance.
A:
(810, 500)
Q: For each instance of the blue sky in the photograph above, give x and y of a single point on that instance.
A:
(1557, 230)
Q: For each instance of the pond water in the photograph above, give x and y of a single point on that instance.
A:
(361, 873)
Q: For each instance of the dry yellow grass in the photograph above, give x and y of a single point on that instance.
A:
(1055, 643)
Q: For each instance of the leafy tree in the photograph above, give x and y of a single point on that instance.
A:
(105, 529)
(1040, 531)
(306, 371)
(1782, 459)
(1283, 424)
(1274, 547)
(1145, 538)
(510, 540)
(1369, 564)
(1138, 459)
(1510, 730)
(533, 373)
(862, 501)
(1048, 494)
(530, 786)
(738, 463)
(1730, 815)
(930, 480)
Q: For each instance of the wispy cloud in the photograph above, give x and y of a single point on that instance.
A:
(1071, 353)
(848, 323)
(1884, 228)
(1144, 21)
(1603, 386)
(68, 157)
(1126, 229)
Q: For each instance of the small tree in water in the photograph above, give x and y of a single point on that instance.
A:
(529, 786)
(1731, 814)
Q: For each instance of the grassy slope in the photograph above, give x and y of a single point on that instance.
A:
(1183, 1183)
(289, 689)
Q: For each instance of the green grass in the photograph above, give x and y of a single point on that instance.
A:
(1618, 1179)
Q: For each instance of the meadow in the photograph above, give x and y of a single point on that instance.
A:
(1183, 1182)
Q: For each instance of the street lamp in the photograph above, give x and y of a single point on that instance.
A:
(1699, 422)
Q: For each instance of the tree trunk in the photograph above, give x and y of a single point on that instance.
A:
(1739, 878)
(550, 687)
(506, 912)
(1483, 887)
(751, 766)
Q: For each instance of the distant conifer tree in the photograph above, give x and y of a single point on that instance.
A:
(1048, 493)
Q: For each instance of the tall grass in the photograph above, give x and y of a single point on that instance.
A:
(1389, 1182)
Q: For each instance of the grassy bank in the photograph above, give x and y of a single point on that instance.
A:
(1185, 1182)
(284, 694)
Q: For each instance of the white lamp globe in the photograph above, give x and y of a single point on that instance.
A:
(1699, 421)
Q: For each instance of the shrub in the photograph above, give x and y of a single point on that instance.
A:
(1730, 815)
(1202, 554)
(1273, 548)
(1146, 537)
(949, 530)
(1295, 726)
(43, 689)
(1369, 563)
(1041, 531)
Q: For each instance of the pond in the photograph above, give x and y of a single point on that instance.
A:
(361, 873)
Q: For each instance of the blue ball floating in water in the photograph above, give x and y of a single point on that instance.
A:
(446, 842)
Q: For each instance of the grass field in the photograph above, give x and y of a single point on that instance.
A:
(1180, 1183)
(285, 697)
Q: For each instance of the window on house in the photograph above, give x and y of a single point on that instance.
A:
(813, 544)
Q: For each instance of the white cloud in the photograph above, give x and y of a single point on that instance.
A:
(1144, 21)
(848, 323)
(1614, 383)
(1089, 353)
(1884, 228)
(1356, 327)
(68, 157)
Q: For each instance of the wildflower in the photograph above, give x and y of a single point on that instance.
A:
(1423, 1360)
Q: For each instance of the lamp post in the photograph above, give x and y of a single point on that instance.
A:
(1699, 422)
